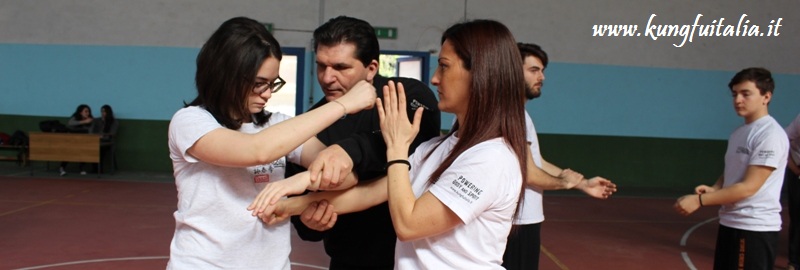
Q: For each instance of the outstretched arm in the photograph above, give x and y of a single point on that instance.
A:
(296, 184)
(358, 198)
(541, 178)
(597, 187)
(226, 147)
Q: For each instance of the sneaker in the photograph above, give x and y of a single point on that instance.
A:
(62, 172)
(83, 172)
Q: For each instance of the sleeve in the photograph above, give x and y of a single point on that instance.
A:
(770, 148)
(476, 181)
(368, 150)
(189, 125)
(419, 95)
(72, 122)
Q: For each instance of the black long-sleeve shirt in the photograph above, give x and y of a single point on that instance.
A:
(366, 239)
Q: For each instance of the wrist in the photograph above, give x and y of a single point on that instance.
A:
(582, 184)
(397, 153)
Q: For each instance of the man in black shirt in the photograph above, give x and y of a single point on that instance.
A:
(347, 52)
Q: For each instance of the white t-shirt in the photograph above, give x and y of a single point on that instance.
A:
(762, 142)
(793, 132)
(482, 187)
(531, 210)
(213, 229)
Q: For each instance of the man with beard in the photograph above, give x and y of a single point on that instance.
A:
(523, 246)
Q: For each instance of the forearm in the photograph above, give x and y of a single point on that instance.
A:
(232, 148)
(401, 198)
(728, 195)
(358, 198)
(550, 168)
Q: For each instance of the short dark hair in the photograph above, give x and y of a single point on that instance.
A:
(530, 49)
(226, 70)
(345, 29)
(761, 77)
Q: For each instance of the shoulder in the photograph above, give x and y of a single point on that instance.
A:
(192, 114)
(492, 154)
(769, 130)
(410, 84)
(278, 117)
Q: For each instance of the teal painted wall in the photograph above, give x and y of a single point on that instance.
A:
(640, 126)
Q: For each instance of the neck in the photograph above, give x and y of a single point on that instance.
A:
(752, 118)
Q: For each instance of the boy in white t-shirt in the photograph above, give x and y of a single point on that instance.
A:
(749, 190)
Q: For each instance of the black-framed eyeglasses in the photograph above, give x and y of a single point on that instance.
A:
(273, 86)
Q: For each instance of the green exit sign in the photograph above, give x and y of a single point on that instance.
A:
(268, 26)
(386, 32)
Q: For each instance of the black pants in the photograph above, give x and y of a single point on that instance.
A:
(748, 250)
(523, 247)
(793, 193)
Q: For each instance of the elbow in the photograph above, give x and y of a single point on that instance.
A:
(264, 157)
(405, 234)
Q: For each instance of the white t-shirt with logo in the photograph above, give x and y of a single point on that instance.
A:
(213, 229)
(762, 142)
(482, 187)
(531, 210)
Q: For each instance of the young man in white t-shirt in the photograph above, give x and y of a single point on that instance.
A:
(523, 246)
(749, 189)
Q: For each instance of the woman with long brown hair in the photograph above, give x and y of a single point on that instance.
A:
(453, 200)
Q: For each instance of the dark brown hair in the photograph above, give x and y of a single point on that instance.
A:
(497, 92)
(226, 70)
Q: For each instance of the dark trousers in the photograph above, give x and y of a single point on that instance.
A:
(523, 247)
(338, 265)
(747, 250)
(793, 193)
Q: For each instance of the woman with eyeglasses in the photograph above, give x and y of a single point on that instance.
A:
(225, 147)
(452, 202)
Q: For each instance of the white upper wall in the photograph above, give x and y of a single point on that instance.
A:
(563, 28)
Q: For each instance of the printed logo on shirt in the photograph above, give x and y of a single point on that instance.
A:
(766, 154)
(466, 189)
(261, 173)
(416, 104)
(261, 178)
(742, 150)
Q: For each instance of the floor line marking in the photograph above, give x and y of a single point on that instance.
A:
(95, 261)
(553, 258)
(685, 237)
(28, 207)
(690, 230)
(134, 259)
(688, 261)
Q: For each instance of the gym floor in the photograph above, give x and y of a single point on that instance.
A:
(124, 221)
